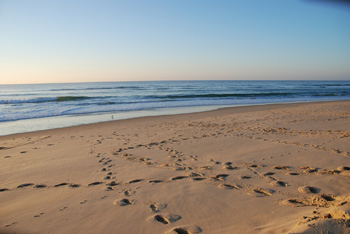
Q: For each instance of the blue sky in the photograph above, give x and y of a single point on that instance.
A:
(44, 41)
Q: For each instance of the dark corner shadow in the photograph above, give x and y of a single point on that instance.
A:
(331, 2)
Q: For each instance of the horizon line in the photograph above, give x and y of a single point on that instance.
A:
(174, 80)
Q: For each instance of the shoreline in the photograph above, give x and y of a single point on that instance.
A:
(278, 168)
(150, 113)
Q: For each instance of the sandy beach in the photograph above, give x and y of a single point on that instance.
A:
(281, 168)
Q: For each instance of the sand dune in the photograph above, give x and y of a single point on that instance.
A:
(259, 169)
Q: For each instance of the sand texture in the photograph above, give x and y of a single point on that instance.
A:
(259, 169)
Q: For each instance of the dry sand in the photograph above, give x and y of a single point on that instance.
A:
(260, 169)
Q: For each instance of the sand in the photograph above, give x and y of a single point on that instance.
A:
(258, 169)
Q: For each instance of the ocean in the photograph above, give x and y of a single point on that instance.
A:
(32, 107)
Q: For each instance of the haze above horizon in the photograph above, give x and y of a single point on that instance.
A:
(87, 41)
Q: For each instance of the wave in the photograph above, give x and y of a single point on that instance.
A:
(72, 98)
(332, 95)
(32, 100)
(101, 100)
(46, 99)
(118, 87)
(64, 89)
(346, 85)
(225, 95)
(338, 85)
(102, 88)
(68, 110)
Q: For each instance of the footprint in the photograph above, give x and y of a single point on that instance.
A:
(280, 167)
(258, 192)
(331, 172)
(155, 181)
(61, 184)
(194, 174)
(321, 200)
(229, 167)
(308, 189)
(177, 168)
(309, 169)
(229, 186)
(198, 178)
(74, 185)
(165, 218)
(135, 181)
(221, 177)
(179, 177)
(9, 225)
(64, 208)
(24, 185)
(37, 216)
(293, 173)
(123, 202)
(157, 207)
(206, 168)
(244, 177)
(154, 208)
(102, 159)
(192, 229)
(293, 202)
(269, 173)
(215, 162)
(108, 188)
(278, 183)
(95, 183)
(327, 197)
(40, 186)
(343, 168)
(112, 183)
(3, 190)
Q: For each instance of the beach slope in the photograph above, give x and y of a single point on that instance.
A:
(280, 168)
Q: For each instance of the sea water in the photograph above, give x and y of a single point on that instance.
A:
(33, 107)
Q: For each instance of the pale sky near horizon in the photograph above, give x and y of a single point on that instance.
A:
(49, 41)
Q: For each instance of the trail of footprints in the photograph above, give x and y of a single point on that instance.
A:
(201, 171)
(234, 131)
(196, 175)
(226, 166)
(160, 217)
(176, 162)
(42, 186)
(112, 184)
(199, 174)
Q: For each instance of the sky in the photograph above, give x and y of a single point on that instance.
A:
(50, 41)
